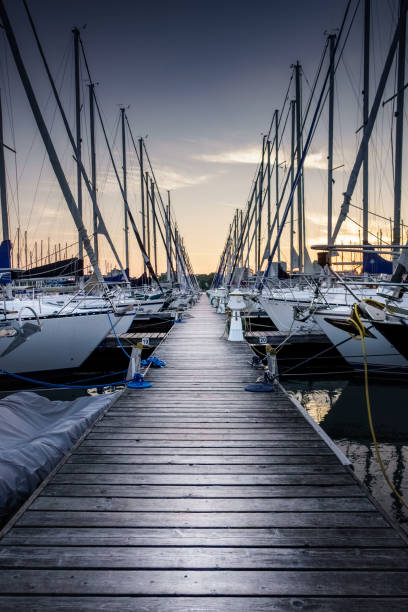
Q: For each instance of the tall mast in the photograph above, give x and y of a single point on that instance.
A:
(366, 98)
(78, 140)
(241, 229)
(93, 167)
(332, 40)
(292, 176)
(399, 128)
(152, 195)
(59, 173)
(147, 247)
(3, 188)
(298, 160)
(176, 243)
(142, 196)
(168, 240)
(260, 193)
(268, 165)
(124, 167)
(277, 176)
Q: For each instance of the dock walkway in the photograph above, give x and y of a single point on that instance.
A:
(198, 496)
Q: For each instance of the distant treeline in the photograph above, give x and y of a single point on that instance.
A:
(204, 280)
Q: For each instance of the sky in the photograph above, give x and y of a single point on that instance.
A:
(200, 80)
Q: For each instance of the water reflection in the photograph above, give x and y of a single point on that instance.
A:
(339, 407)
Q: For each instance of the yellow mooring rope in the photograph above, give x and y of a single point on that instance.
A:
(360, 329)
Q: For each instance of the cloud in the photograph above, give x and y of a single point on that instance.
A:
(169, 178)
(316, 161)
(252, 155)
(247, 155)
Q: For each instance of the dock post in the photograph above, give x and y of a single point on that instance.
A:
(133, 373)
(221, 305)
(236, 304)
(272, 363)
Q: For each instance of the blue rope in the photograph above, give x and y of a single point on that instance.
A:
(117, 337)
(64, 385)
(82, 380)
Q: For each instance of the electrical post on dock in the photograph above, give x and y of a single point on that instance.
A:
(236, 305)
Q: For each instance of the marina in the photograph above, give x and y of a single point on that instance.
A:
(201, 489)
(203, 306)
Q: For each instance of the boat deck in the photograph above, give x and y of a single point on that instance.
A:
(195, 495)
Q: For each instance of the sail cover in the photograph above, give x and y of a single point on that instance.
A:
(375, 264)
(35, 434)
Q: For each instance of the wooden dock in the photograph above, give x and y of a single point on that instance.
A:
(195, 495)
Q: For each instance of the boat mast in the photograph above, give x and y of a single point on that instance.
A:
(241, 229)
(3, 187)
(347, 195)
(147, 247)
(168, 241)
(78, 142)
(93, 168)
(298, 161)
(292, 176)
(332, 40)
(268, 165)
(366, 98)
(124, 168)
(399, 129)
(260, 193)
(142, 197)
(277, 176)
(52, 154)
(152, 195)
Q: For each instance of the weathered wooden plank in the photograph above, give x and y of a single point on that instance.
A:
(89, 490)
(202, 558)
(169, 426)
(199, 604)
(204, 582)
(141, 504)
(208, 460)
(238, 470)
(203, 451)
(133, 433)
(91, 442)
(32, 518)
(202, 479)
(319, 536)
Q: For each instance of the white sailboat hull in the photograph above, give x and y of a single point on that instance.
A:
(381, 354)
(62, 342)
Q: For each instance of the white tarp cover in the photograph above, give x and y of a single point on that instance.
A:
(35, 433)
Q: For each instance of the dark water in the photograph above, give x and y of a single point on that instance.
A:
(339, 407)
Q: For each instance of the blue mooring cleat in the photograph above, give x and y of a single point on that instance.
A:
(138, 382)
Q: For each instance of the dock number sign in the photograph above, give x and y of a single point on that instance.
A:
(263, 340)
(146, 341)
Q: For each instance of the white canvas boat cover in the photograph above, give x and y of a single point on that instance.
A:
(35, 433)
